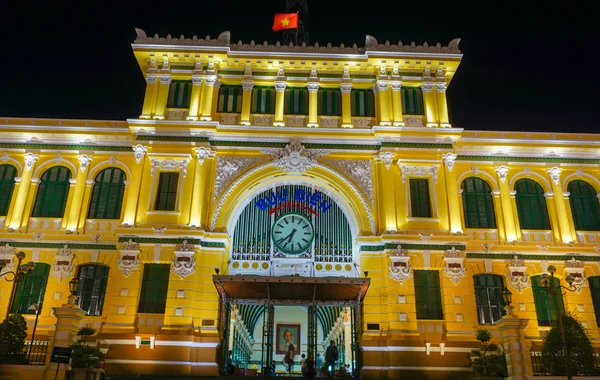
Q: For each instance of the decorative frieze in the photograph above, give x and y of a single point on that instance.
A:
(576, 269)
(262, 120)
(329, 121)
(63, 263)
(517, 274)
(184, 262)
(418, 171)
(169, 164)
(454, 268)
(177, 114)
(295, 120)
(399, 267)
(294, 158)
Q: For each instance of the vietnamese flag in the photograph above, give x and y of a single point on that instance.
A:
(285, 21)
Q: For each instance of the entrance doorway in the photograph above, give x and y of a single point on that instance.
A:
(261, 316)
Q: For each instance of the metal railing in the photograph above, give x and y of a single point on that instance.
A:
(580, 366)
(34, 353)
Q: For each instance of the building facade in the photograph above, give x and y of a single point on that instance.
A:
(235, 143)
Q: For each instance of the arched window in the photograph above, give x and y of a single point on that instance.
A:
(31, 290)
(107, 195)
(52, 193)
(531, 205)
(7, 185)
(545, 306)
(478, 206)
(594, 283)
(92, 288)
(488, 297)
(584, 206)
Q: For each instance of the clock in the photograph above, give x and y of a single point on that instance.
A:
(292, 233)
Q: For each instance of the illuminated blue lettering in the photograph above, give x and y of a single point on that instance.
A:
(262, 204)
(324, 206)
(300, 194)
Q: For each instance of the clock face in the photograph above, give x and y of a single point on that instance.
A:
(293, 233)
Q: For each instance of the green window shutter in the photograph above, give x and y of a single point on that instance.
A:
(263, 100)
(531, 205)
(107, 194)
(230, 99)
(7, 185)
(167, 191)
(92, 288)
(31, 290)
(478, 205)
(180, 94)
(52, 193)
(584, 206)
(545, 306)
(155, 284)
(362, 103)
(420, 204)
(329, 102)
(412, 101)
(488, 298)
(428, 297)
(295, 101)
(594, 283)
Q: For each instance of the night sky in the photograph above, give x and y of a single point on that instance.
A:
(527, 65)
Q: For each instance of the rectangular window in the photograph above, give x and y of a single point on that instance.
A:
(180, 93)
(155, 284)
(329, 102)
(263, 100)
(546, 307)
(594, 283)
(428, 297)
(92, 288)
(30, 291)
(230, 99)
(296, 101)
(488, 298)
(167, 191)
(362, 103)
(412, 101)
(420, 204)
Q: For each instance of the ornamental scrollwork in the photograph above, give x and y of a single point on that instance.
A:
(517, 274)
(502, 171)
(360, 171)
(84, 161)
(183, 263)
(7, 253)
(576, 269)
(138, 152)
(418, 171)
(554, 174)
(129, 261)
(30, 160)
(169, 164)
(294, 158)
(454, 268)
(449, 159)
(387, 158)
(399, 267)
(63, 263)
(229, 167)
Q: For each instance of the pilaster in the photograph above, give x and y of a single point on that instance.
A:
(195, 96)
(561, 208)
(442, 105)
(87, 195)
(516, 347)
(506, 202)
(208, 89)
(133, 186)
(247, 86)
(313, 90)
(431, 112)
(150, 96)
(346, 89)
(499, 215)
(385, 184)
(397, 102)
(280, 86)
(202, 171)
(162, 96)
(22, 191)
(452, 193)
(383, 101)
(78, 193)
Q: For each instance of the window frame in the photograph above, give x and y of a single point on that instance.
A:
(431, 306)
(585, 208)
(186, 97)
(109, 190)
(477, 198)
(417, 200)
(290, 95)
(7, 186)
(95, 285)
(368, 103)
(148, 302)
(169, 194)
(236, 93)
(34, 284)
(544, 303)
(258, 92)
(47, 192)
(483, 299)
(531, 205)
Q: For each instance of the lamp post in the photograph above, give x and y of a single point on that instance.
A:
(73, 288)
(507, 297)
(17, 275)
(548, 283)
(37, 307)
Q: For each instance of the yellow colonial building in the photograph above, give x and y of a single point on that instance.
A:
(271, 194)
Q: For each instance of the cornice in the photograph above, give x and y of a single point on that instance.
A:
(115, 148)
(509, 256)
(545, 159)
(29, 244)
(417, 247)
(146, 240)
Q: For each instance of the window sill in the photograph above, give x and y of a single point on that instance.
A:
(426, 220)
(160, 212)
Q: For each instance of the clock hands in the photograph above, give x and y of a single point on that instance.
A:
(288, 238)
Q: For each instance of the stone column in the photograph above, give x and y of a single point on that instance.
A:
(279, 99)
(452, 193)
(313, 91)
(397, 102)
(440, 92)
(162, 96)
(207, 96)
(68, 317)
(561, 208)
(431, 112)
(506, 201)
(195, 97)
(150, 96)
(22, 191)
(516, 347)
(383, 100)
(247, 86)
(346, 89)
(78, 193)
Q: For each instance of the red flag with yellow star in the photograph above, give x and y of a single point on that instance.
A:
(285, 21)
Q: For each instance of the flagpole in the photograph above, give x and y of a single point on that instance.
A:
(297, 26)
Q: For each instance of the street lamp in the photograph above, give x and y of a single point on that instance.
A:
(507, 296)
(37, 307)
(73, 288)
(548, 283)
(17, 275)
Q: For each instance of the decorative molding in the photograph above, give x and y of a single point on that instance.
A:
(295, 120)
(313, 86)
(545, 159)
(138, 152)
(501, 171)
(84, 162)
(346, 88)
(362, 122)
(294, 158)
(399, 267)
(329, 121)
(159, 230)
(169, 164)
(128, 261)
(449, 159)
(202, 153)
(425, 237)
(30, 160)
(280, 86)
(416, 247)
(576, 269)
(440, 87)
(360, 171)
(229, 118)
(382, 85)
(427, 86)
(396, 85)
(63, 263)
(247, 85)
(7, 254)
(418, 171)
(454, 268)
(554, 174)
(517, 274)
(177, 114)
(262, 120)
(229, 167)
(387, 158)
(210, 80)
(415, 121)
(184, 263)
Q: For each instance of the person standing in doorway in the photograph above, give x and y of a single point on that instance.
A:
(289, 358)
(331, 356)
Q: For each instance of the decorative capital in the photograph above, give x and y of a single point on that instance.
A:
(139, 151)
(387, 158)
(30, 160)
(294, 158)
(554, 173)
(196, 80)
(151, 78)
(441, 87)
(382, 85)
(165, 78)
(280, 86)
(346, 88)
(202, 153)
(313, 86)
(427, 87)
(501, 171)
(247, 85)
(84, 161)
(210, 80)
(449, 159)
(396, 85)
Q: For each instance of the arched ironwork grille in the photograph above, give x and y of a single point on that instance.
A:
(252, 235)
